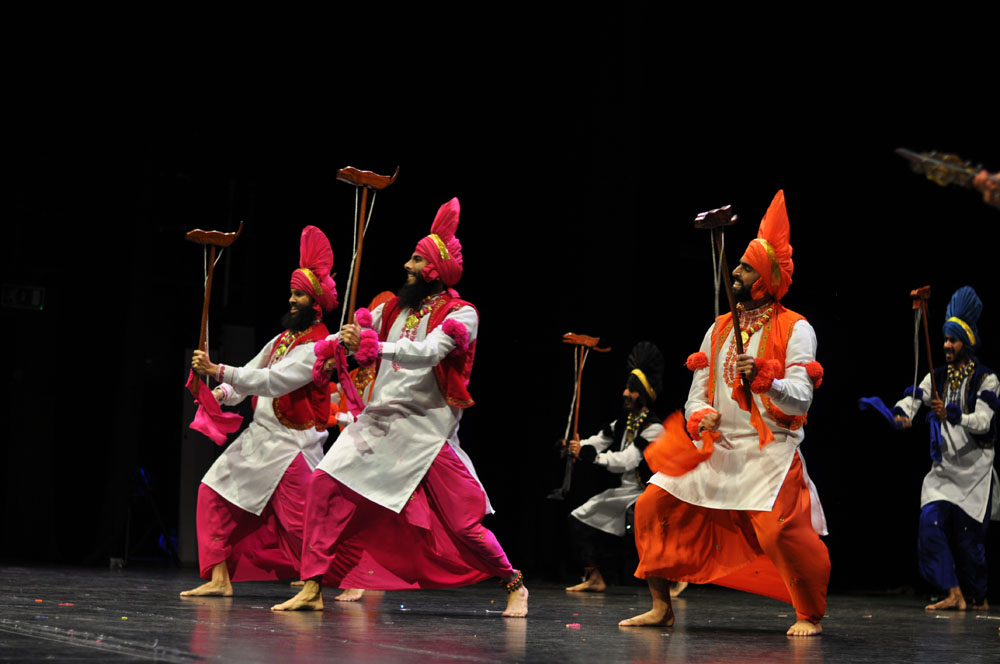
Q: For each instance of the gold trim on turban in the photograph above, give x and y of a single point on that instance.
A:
(442, 249)
(645, 383)
(775, 268)
(965, 326)
(317, 288)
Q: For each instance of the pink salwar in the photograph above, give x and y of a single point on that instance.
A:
(255, 548)
(436, 541)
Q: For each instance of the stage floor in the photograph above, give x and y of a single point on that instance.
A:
(88, 615)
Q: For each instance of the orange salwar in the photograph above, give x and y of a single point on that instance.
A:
(776, 554)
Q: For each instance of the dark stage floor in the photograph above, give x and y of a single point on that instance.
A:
(88, 615)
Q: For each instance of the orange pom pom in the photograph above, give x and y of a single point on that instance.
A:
(815, 371)
(767, 371)
(697, 361)
(694, 424)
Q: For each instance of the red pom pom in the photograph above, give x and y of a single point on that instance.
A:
(767, 371)
(815, 371)
(697, 361)
(363, 317)
(459, 333)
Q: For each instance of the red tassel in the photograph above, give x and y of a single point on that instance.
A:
(697, 361)
(815, 371)
(767, 371)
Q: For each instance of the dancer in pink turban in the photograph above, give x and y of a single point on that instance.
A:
(396, 504)
(251, 501)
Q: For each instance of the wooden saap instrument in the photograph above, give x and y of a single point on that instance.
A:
(582, 345)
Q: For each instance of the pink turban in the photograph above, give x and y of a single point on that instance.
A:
(770, 253)
(441, 248)
(313, 275)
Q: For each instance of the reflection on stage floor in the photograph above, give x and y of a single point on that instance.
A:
(89, 615)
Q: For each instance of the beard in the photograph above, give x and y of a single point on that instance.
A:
(298, 320)
(411, 295)
(741, 294)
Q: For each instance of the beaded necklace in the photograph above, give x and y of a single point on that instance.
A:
(956, 376)
(285, 342)
(751, 322)
(413, 320)
(632, 425)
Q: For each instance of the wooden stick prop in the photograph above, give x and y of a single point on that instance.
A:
(366, 180)
(583, 345)
(944, 169)
(920, 296)
(212, 239)
(716, 220)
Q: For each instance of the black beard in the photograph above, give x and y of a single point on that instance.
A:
(411, 295)
(961, 357)
(297, 320)
(743, 294)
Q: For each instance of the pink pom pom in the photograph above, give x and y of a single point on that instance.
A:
(697, 361)
(324, 348)
(363, 317)
(368, 349)
(459, 333)
(767, 371)
(320, 378)
(815, 371)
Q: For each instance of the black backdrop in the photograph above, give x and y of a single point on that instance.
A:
(580, 159)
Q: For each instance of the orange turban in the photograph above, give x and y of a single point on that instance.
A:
(770, 253)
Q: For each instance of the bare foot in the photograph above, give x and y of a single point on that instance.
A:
(804, 628)
(659, 615)
(218, 586)
(953, 602)
(350, 595)
(297, 584)
(310, 598)
(677, 587)
(210, 589)
(594, 583)
(984, 606)
(517, 603)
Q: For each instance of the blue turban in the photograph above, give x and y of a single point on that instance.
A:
(962, 315)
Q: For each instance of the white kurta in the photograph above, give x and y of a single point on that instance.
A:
(606, 510)
(740, 475)
(387, 451)
(250, 468)
(963, 475)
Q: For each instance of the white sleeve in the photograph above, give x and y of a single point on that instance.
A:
(698, 394)
(978, 421)
(631, 456)
(600, 441)
(435, 347)
(793, 394)
(289, 373)
(911, 405)
(233, 395)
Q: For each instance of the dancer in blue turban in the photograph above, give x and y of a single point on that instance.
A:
(961, 490)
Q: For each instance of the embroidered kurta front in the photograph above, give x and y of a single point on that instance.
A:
(740, 475)
(963, 476)
(248, 471)
(387, 451)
